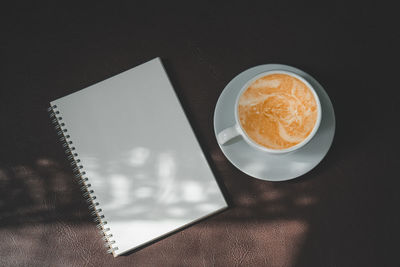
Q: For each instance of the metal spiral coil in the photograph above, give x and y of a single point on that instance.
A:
(83, 181)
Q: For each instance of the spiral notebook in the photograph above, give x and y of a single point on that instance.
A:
(139, 163)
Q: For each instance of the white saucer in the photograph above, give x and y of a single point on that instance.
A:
(265, 166)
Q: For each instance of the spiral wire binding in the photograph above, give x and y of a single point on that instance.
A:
(83, 180)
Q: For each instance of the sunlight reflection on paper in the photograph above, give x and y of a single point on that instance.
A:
(138, 156)
(143, 192)
(120, 190)
(192, 192)
(166, 175)
(176, 211)
(159, 189)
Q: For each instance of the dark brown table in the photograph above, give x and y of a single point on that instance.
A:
(342, 213)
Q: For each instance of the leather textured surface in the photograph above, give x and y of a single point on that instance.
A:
(342, 213)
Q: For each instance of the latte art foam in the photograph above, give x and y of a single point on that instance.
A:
(277, 111)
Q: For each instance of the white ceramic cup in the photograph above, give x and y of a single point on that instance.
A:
(229, 133)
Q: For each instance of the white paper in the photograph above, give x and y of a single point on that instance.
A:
(140, 154)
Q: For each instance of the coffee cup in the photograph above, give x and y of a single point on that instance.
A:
(275, 112)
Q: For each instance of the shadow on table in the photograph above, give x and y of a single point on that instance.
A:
(263, 215)
(292, 223)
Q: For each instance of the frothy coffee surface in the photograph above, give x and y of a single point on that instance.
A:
(277, 111)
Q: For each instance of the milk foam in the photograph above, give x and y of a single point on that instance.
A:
(277, 111)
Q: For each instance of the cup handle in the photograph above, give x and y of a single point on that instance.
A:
(227, 134)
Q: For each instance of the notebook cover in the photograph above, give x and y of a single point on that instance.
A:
(140, 156)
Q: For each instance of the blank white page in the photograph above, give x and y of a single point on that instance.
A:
(141, 157)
